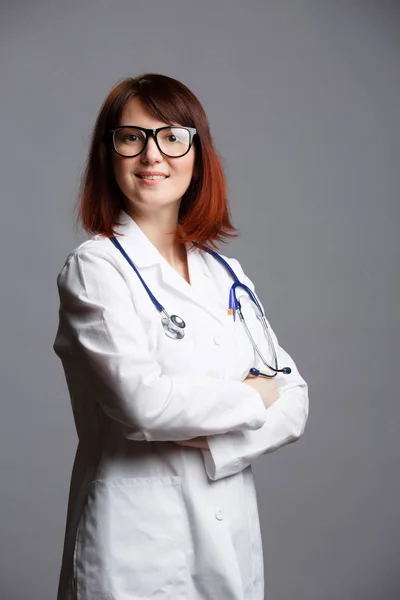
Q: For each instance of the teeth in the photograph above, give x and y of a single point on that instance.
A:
(152, 176)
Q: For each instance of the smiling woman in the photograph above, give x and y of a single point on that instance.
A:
(163, 410)
(130, 115)
(140, 162)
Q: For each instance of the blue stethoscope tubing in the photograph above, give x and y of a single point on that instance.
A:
(174, 326)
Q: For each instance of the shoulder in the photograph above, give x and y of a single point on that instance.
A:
(98, 245)
(210, 259)
(234, 263)
(94, 256)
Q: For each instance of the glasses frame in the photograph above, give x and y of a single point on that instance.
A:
(154, 134)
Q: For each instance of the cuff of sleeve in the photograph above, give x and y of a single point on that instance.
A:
(221, 460)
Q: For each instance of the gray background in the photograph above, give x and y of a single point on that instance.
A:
(304, 103)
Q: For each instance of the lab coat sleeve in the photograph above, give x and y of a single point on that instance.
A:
(232, 452)
(100, 326)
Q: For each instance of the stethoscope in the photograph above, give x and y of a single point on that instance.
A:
(174, 326)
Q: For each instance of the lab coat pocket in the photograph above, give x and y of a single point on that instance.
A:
(133, 540)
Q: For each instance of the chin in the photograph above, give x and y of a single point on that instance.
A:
(152, 202)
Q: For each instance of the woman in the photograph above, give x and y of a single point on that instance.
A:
(162, 502)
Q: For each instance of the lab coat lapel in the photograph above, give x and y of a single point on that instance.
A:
(147, 258)
(200, 291)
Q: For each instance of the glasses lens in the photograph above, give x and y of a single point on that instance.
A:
(129, 141)
(174, 141)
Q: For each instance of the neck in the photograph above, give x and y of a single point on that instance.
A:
(158, 230)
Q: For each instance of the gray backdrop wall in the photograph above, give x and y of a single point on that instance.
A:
(314, 88)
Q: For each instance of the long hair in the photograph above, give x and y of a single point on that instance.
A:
(204, 212)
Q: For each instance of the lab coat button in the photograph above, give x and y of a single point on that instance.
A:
(217, 340)
(219, 515)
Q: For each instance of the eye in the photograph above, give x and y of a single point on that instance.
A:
(130, 137)
(172, 138)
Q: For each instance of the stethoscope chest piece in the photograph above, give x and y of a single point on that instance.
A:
(174, 327)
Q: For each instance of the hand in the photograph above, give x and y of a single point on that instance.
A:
(197, 442)
(267, 388)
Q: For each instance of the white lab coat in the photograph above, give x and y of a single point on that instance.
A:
(148, 518)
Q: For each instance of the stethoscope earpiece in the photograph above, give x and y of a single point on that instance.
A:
(257, 372)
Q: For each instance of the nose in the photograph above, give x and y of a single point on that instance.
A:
(151, 153)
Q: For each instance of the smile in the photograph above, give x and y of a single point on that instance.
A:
(152, 177)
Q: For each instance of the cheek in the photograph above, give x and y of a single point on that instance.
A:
(122, 172)
(185, 169)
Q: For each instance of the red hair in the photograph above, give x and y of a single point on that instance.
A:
(204, 213)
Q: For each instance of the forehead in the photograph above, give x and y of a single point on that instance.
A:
(135, 113)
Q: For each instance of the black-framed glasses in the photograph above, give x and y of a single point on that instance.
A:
(173, 141)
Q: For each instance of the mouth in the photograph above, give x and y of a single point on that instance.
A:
(151, 177)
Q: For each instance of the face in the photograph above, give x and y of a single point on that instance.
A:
(145, 196)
